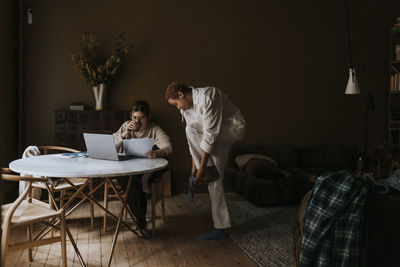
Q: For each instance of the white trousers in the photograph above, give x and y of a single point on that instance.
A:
(218, 158)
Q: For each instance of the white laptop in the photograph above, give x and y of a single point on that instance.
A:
(102, 146)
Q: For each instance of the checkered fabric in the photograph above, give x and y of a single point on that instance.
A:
(334, 221)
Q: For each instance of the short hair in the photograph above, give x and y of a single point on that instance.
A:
(173, 89)
(142, 106)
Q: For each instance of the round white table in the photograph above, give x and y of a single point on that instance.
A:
(63, 166)
(57, 165)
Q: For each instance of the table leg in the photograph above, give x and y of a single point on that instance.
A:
(121, 199)
(44, 231)
(115, 236)
(124, 206)
(99, 205)
(71, 238)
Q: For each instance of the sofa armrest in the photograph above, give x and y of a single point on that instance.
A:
(302, 182)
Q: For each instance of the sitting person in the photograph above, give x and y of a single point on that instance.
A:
(140, 127)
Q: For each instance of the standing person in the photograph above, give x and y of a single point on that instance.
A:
(140, 127)
(213, 124)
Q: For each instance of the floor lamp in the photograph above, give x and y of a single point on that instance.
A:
(352, 84)
(370, 105)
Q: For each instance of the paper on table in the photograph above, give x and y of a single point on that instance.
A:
(137, 146)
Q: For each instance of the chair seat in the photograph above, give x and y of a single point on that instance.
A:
(63, 185)
(28, 212)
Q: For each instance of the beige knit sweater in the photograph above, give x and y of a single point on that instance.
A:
(152, 130)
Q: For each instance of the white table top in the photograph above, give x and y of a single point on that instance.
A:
(57, 165)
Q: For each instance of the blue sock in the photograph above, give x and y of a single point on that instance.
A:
(191, 189)
(216, 234)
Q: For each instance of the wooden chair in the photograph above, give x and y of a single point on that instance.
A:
(157, 194)
(111, 195)
(64, 189)
(24, 212)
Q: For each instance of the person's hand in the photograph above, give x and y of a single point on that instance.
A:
(198, 177)
(193, 171)
(151, 154)
(129, 127)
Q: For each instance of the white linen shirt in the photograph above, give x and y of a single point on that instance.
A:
(215, 117)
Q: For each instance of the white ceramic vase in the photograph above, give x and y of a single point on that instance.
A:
(99, 94)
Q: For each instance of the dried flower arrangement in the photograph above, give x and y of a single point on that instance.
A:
(94, 68)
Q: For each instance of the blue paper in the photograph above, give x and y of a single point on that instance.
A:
(82, 154)
(191, 189)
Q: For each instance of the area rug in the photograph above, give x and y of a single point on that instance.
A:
(264, 234)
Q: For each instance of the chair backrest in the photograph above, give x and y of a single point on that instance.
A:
(7, 175)
(30, 212)
(55, 149)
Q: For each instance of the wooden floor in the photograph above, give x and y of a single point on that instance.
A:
(175, 243)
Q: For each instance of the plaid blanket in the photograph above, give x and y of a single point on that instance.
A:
(334, 221)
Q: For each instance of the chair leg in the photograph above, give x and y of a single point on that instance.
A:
(153, 211)
(4, 244)
(51, 205)
(91, 206)
(62, 195)
(63, 240)
(29, 231)
(105, 206)
(163, 207)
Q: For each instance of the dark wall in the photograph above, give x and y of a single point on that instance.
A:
(283, 64)
(8, 81)
(8, 91)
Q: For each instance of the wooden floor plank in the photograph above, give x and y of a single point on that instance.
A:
(180, 236)
(54, 257)
(83, 240)
(94, 248)
(106, 240)
(120, 252)
(13, 258)
(135, 251)
(175, 242)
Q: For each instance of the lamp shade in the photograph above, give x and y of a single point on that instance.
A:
(352, 84)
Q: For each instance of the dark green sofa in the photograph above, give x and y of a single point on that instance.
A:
(265, 185)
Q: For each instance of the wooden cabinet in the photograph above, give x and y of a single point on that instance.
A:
(70, 125)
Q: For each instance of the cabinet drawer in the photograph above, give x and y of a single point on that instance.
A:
(60, 128)
(60, 116)
(60, 139)
(83, 117)
(72, 128)
(72, 116)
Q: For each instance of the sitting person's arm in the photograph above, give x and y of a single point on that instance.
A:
(122, 133)
(162, 145)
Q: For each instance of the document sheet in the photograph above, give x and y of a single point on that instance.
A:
(137, 146)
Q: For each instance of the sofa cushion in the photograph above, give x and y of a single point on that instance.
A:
(264, 193)
(329, 157)
(263, 169)
(260, 192)
(318, 171)
(284, 155)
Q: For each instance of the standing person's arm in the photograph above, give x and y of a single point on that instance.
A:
(200, 172)
(212, 120)
(193, 171)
